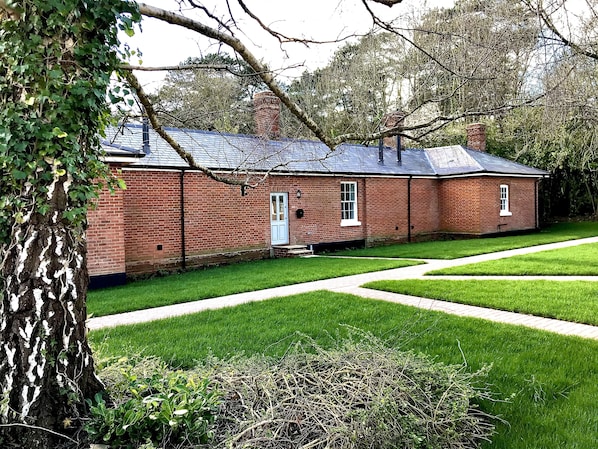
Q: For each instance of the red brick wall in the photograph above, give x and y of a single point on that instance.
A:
(220, 224)
(106, 235)
(521, 205)
(388, 208)
(382, 208)
(320, 201)
(460, 205)
(218, 218)
(472, 205)
(152, 219)
(425, 213)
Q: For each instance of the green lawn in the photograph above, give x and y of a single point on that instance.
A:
(551, 380)
(563, 300)
(227, 280)
(579, 260)
(454, 249)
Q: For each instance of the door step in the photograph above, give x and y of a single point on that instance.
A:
(291, 251)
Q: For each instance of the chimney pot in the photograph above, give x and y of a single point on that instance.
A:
(476, 136)
(267, 114)
(393, 120)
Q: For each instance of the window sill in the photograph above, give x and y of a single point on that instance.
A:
(350, 223)
(505, 213)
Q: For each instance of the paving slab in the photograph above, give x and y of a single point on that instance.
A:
(499, 316)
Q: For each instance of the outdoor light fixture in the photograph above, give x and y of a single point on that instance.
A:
(298, 193)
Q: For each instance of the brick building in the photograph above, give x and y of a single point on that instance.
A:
(174, 217)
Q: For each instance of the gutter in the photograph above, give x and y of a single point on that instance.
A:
(344, 174)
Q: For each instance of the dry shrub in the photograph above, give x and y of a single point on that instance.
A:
(359, 394)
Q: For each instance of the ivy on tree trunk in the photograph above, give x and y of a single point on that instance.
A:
(56, 59)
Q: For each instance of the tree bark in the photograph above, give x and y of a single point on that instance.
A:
(46, 367)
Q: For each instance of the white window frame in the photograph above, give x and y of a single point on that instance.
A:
(352, 219)
(504, 201)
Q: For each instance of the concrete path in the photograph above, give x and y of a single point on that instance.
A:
(351, 284)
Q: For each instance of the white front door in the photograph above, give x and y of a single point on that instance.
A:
(279, 218)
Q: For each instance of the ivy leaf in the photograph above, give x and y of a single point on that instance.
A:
(59, 133)
(18, 174)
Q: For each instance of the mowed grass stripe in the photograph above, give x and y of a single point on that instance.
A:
(227, 280)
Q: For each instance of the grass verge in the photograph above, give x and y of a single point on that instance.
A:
(454, 249)
(227, 280)
(575, 301)
(579, 260)
(548, 379)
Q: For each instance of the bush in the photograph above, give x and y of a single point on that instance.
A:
(356, 395)
(167, 408)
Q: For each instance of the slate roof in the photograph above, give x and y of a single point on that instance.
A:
(219, 151)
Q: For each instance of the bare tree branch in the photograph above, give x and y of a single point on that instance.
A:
(389, 3)
(546, 19)
(222, 67)
(390, 28)
(182, 67)
(186, 156)
(233, 178)
(267, 77)
(262, 70)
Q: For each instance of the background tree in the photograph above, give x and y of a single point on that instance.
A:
(566, 139)
(545, 63)
(215, 94)
(476, 57)
(362, 82)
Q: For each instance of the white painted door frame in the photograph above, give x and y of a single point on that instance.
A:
(279, 218)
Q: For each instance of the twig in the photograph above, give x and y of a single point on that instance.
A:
(30, 426)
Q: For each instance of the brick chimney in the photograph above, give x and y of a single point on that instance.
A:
(476, 136)
(393, 120)
(267, 114)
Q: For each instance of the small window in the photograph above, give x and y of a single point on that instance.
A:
(349, 204)
(504, 200)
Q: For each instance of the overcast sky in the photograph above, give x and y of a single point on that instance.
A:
(163, 44)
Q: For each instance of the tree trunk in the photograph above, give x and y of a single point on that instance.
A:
(46, 367)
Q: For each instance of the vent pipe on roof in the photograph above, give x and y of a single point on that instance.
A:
(476, 136)
(267, 114)
(380, 152)
(145, 135)
(399, 151)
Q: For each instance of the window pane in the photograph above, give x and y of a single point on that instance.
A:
(281, 207)
(348, 201)
(504, 198)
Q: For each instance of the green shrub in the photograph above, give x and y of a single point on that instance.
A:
(167, 408)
